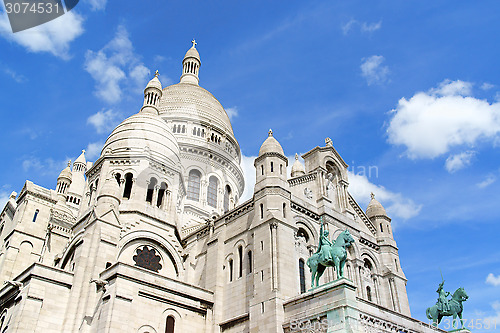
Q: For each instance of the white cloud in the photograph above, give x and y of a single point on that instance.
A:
(113, 64)
(363, 26)
(487, 86)
(104, 121)
(93, 150)
(490, 179)
(249, 175)
(371, 27)
(54, 36)
(395, 204)
(458, 161)
(493, 280)
(97, 4)
(4, 197)
(15, 76)
(232, 112)
(373, 70)
(430, 123)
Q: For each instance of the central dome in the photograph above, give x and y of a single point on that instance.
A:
(185, 100)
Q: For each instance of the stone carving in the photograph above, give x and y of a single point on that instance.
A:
(329, 254)
(447, 307)
(148, 259)
(308, 193)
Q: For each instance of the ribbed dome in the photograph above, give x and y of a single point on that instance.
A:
(271, 145)
(154, 82)
(184, 100)
(110, 189)
(66, 173)
(192, 53)
(375, 208)
(298, 168)
(143, 133)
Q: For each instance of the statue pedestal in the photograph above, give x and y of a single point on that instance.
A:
(329, 308)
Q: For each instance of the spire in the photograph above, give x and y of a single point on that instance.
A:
(191, 65)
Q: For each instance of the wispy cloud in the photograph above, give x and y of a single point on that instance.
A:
(459, 161)
(93, 150)
(232, 112)
(363, 26)
(490, 179)
(104, 121)
(397, 206)
(96, 5)
(46, 166)
(493, 280)
(373, 70)
(53, 37)
(430, 123)
(112, 65)
(14, 75)
(487, 86)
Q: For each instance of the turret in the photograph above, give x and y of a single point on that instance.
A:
(297, 168)
(152, 95)
(191, 66)
(377, 214)
(270, 165)
(75, 191)
(64, 180)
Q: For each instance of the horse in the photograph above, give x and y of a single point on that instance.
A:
(455, 305)
(339, 254)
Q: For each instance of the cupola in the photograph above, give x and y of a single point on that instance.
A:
(191, 66)
(297, 168)
(152, 95)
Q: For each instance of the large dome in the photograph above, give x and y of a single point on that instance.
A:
(143, 133)
(189, 101)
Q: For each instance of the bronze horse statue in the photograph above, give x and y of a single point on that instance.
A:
(333, 255)
(454, 308)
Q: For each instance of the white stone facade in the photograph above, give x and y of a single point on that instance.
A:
(151, 237)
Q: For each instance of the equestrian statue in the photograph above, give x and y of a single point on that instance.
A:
(447, 307)
(329, 254)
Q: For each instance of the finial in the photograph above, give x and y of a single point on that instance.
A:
(328, 142)
(270, 132)
(69, 163)
(194, 43)
(296, 156)
(156, 73)
(372, 195)
(83, 151)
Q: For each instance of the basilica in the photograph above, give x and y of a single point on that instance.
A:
(152, 236)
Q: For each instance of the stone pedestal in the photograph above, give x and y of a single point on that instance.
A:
(329, 308)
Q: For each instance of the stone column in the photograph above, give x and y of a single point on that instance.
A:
(274, 255)
(154, 200)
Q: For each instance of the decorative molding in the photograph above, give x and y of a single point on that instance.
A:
(302, 179)
(362, 214)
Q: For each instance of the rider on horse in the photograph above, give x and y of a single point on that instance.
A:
(442, 301)
(324, 244)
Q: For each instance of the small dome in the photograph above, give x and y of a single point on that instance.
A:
(66, 173)
(143, 133)
(271, 145)
(154, 82)
(375, 208)
(298, 168)
(110, 189)
(192, 52)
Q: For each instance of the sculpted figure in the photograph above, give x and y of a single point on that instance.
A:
(324, 245)
(445, 307)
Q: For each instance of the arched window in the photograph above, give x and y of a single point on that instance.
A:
(118, 177)
(128, 186)
(272, 167)
(213, 183)
(250, 263)
(262, 170)
(35, 215)
(381, 228)
(170, 325)
(369, 293)
(240, 257)
(284, 210)
(230, 270)
(227, 194)
(161, 195)
(193, 190)
(151, 189)
(302, 276)
(261, 211)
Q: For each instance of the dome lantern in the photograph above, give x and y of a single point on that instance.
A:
(152, 95)
(191, 65)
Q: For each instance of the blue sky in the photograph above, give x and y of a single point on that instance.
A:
(409, 87)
